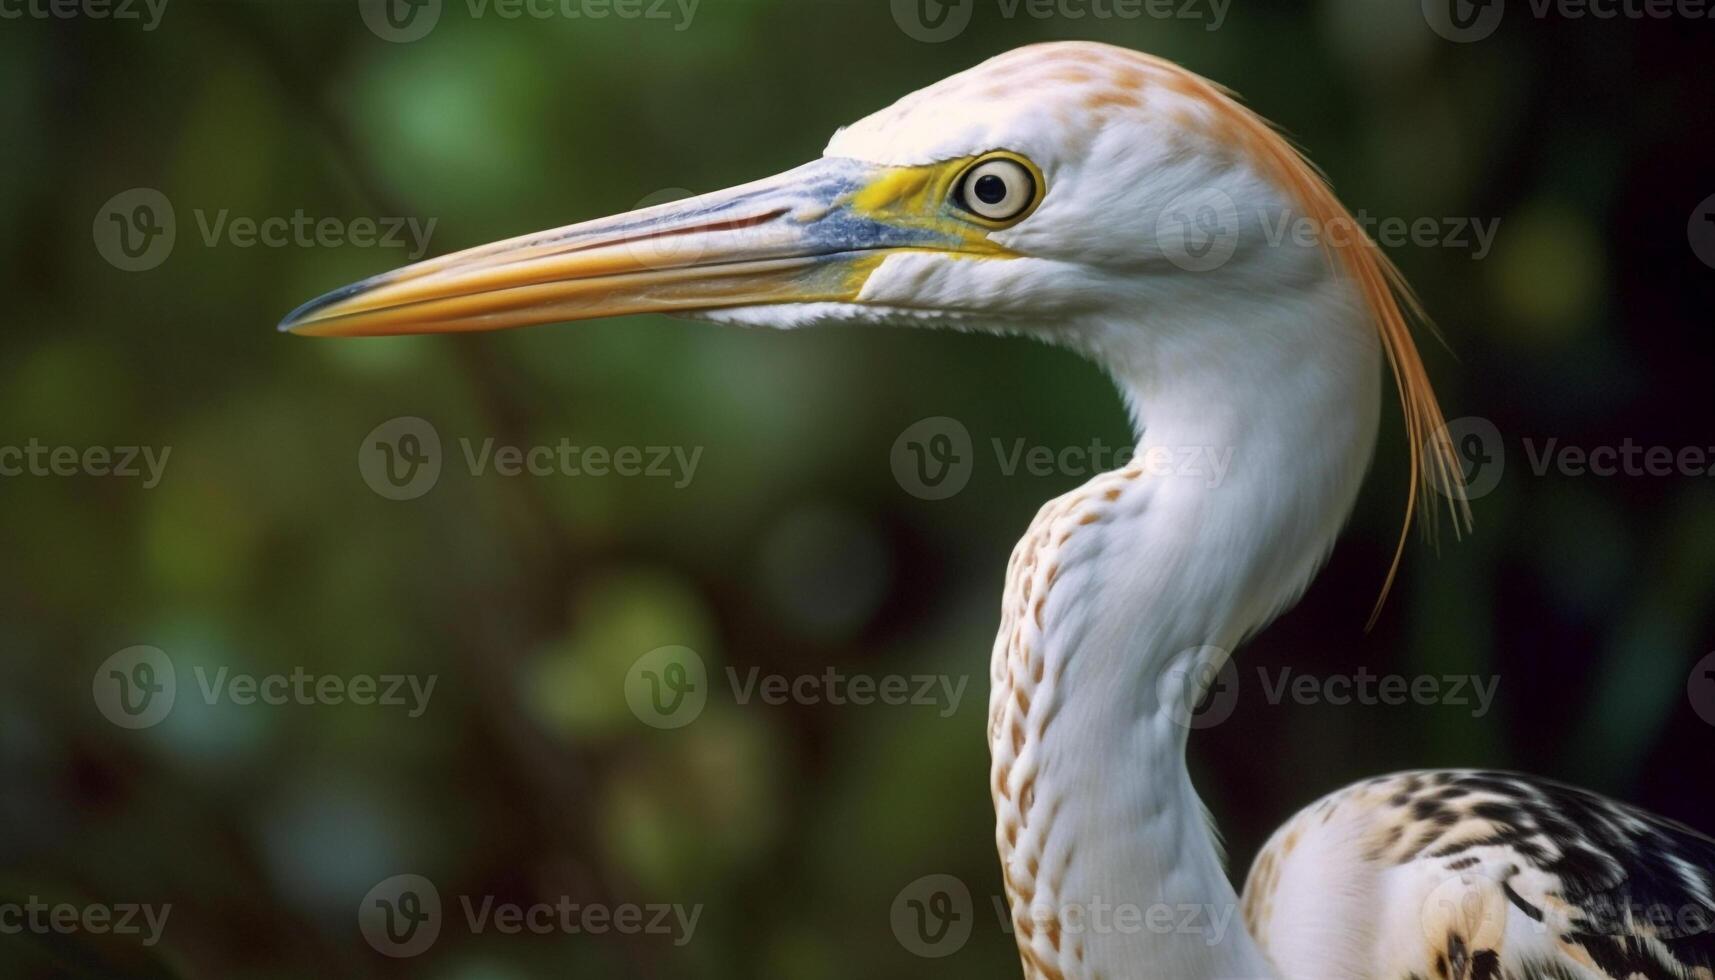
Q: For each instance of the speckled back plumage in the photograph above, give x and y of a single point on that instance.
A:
(1470, 875)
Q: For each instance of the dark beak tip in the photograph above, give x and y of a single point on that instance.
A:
(299, 317)
(304, 315)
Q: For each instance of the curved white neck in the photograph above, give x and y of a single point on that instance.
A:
(1125, 593)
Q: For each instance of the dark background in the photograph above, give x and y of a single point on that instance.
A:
(794, 548)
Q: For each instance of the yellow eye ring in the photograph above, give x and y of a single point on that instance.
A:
(998, 189)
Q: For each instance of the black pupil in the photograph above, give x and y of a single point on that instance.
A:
(990, 189)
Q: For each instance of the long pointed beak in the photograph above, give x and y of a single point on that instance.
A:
(812, 234)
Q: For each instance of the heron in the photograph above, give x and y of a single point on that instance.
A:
(1117, 204)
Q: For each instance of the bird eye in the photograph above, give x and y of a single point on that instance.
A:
(999, 189)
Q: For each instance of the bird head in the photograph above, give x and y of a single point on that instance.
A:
(1087, 194)
(1052, 184)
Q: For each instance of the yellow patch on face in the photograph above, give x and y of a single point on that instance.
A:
(902, 189)
(921, 197)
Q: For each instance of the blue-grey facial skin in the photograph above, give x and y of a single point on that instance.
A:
(804, 213)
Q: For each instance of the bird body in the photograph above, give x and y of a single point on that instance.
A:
(1121, 206)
